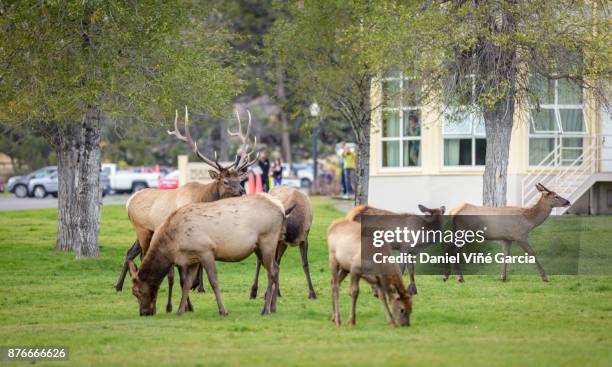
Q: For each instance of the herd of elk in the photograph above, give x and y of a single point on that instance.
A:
(148, 208)
(196, 225)
(507, 224)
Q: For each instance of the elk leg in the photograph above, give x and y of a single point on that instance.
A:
(334, 268)
(198, 282)
(458, 266)
(256, 280)
(305, 266)
(280, 251)
(447, 266)
(268, 257)
(170, 284)
(189, 305)
(208, 263)
(412, 289)
(525, 246)
(383, 299)
(188, 275)
(354, 294)
(506, 249)
(130, 255)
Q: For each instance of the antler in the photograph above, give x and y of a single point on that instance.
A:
(245, 159)
(194, 146)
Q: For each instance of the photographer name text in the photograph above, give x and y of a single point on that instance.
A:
(470, 258)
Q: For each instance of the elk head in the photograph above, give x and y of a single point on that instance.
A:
(226, 179)
(145, 293)
(433, 216)
(552, 198)
(401, 301)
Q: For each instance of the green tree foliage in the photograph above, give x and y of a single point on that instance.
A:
(324, 46)
(69, 65)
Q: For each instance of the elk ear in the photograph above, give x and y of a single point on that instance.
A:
(539, 187)
(213, 174)
(133, 269)
(424, 209)
(289, 209)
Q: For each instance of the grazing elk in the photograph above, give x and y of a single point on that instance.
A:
(511, 224)
(202, 233)
(298, 227)
(431, 220)
(148, 208)
(344, 245)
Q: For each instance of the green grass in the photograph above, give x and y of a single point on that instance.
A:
(50, 298)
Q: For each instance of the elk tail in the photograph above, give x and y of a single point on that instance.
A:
(356, 213)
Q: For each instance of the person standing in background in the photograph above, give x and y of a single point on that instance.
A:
(264, 164)
(277, 172)
(349, 169)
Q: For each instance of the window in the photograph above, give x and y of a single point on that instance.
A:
(401, 122)
(557, 128)
(463, 130)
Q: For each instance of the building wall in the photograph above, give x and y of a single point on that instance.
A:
(404, 193)
(433, 184)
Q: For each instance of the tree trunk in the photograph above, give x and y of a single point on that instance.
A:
(363, 164)
(498, 127)
(280, 93)
(79, 194)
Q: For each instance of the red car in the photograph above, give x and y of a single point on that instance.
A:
(169, 181)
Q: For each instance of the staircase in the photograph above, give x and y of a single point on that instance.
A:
(570, 178)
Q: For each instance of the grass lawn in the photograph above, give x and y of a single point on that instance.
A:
(50, 298)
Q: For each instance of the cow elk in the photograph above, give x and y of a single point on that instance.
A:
(202, 233)
(148, 208)
(344, 245)
(298, 227)
(515, 225)
(430, 220)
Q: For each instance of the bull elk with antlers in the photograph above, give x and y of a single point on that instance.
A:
(147, 209)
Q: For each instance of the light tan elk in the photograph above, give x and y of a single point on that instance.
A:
(200, 234)
(147, 209)
(430, 220)
(506, 224)
(298, 227)
(344, 245)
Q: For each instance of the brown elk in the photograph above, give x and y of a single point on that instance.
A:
(430, 220)
(344, 245)
(202, 233)
(298, 227)
(148, 208)
(506, 224)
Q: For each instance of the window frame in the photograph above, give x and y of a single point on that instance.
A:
(401, 109)
(473, 135)
(559, 134)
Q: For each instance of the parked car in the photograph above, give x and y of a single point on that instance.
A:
(41, 187)
(18, 185)
(169, 181)
(128, 181)
(106, 187)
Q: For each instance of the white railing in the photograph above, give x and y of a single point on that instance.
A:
(566, 176)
